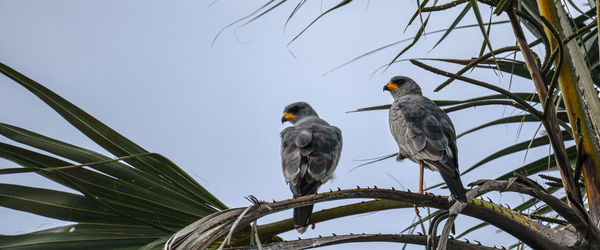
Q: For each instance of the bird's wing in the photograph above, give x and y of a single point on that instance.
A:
(309, 155)
(424, 132)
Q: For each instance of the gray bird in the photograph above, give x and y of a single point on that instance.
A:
(310, 151)
(424, 133)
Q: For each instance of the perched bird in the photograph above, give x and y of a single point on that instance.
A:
(424, 133)
(310, 150)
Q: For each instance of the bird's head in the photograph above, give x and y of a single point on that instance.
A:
(402, 85)
(297, 111)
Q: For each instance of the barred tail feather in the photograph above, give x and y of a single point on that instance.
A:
(302, 218)
(456, 187)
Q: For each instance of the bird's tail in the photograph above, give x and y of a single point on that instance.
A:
(302, 218)
(456, 187)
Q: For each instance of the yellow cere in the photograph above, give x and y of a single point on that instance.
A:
(391, 86)
(288, 116)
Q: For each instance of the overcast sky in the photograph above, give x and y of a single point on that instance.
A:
(147, 69)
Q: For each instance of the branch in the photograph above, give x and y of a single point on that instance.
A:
(578, 219)
(340, 239)
(269, 230)
(536, 235)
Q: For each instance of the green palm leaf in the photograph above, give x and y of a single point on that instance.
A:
(112, 140)
(82, 236)
(121, 171)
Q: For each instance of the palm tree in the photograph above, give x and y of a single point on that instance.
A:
(112, 208)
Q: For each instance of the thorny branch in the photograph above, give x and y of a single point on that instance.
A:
(577, 218)
(339, 239)
(212, 228)
(267, 231)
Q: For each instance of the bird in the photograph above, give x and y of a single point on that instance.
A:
(310, 150)
(424, 134)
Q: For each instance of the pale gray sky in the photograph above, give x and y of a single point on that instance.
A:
(147, 69)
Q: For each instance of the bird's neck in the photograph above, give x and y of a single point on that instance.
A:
(402, 96)
(311, 120)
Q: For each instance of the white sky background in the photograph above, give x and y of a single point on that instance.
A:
(147, 69)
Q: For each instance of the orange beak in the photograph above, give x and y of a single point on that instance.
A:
(287, 116)
(390, 86)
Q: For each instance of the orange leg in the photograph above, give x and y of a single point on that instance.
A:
(421, 168)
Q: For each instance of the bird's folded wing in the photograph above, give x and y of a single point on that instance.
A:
(424, 134)
(309, 155)
(326, 150)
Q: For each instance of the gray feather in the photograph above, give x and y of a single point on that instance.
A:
(303, 138)
(310, 151)
(424, 132)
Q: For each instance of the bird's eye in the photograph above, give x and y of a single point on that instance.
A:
(294, 109)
